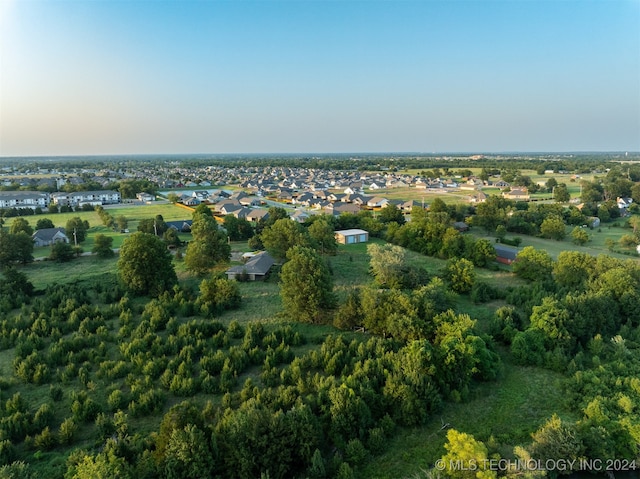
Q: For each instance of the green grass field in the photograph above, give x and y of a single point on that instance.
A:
(501, 414)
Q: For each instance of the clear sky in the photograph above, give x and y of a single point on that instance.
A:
(80, 77)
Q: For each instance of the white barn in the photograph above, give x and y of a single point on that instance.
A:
(352, 236)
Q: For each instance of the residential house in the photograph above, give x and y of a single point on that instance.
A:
(256, 215)
(336, 209)
(49, 236)
(409, 205)
(519, 194)
(377, 202)
(300, 216)
(183, 226)
(624, 203)
(145, 197)
(191, 201)
(257, 268)
(479, 197)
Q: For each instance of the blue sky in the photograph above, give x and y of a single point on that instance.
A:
(81, 77)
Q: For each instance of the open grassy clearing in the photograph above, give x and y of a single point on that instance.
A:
(509, 409)
(595, 247)
(85, 268)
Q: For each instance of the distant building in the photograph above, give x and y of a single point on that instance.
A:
(24, 199)
(521, 194)
(79, 198)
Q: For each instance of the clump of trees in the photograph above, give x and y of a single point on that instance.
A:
(209, 245)
(145, 265)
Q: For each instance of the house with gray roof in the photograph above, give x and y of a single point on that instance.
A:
(257, 268)
(49, 236)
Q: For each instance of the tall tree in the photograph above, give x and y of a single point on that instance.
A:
(145, 265)
(533, 264)
(553, 227)
(283, 235)
(15, 248)
(102, 246)
(322, 233)
(209, 245)
(391, 213)
(76, 229)
(466, 458)
(561, 193)
(43, 223)
(153, 226)
(460, 273)
(306, 286)
(20, 224)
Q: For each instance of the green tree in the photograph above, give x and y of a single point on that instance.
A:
(349, 314)
(492, 213)
(573, 269)
(391, 213)
(43, 223)
(237, 228)
(558, 441)
(460, 273)
(145, 265)
(61, 252)
(15, 282)
(122, 222)
(551, 183)
(171, 237)
(579, 236)
(76, 229)
(552, 318)
(591, 192)
(283, 235)
(306, 286)
(218, 294)
(553, 227)
(470, 455)
(533, 264)
(153, 226)
(103, 246)
(482, 253)
(387, 262)
(209, 245)
(20, 225)
(561, 193)
(15, 248)
(274, 214)
(188, 455)
(172, 197)
(323, 235)
(203, 209)
(104, 465)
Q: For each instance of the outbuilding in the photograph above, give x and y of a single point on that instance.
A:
(352, 236)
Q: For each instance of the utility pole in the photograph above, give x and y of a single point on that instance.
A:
(75, 237)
